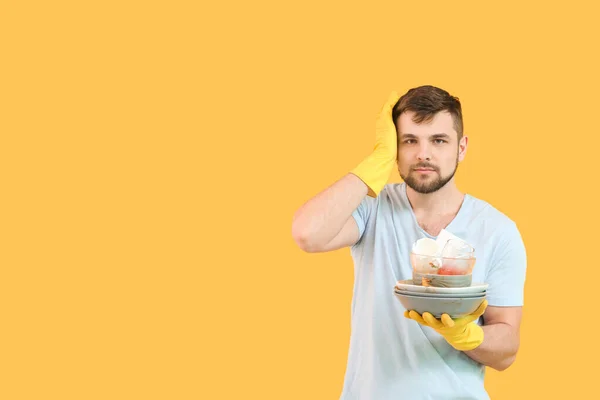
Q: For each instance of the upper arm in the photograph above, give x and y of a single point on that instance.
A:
(503, 315)
(348, 236)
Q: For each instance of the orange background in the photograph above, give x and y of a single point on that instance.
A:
(153, 155)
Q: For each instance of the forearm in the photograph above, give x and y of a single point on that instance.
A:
(322, 217)
(499, 347)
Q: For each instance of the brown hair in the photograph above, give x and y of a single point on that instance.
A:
(425, 102)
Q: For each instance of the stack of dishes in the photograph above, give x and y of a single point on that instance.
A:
(454, 301)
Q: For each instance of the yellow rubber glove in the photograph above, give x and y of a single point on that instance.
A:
(375, 170)
(460, 333)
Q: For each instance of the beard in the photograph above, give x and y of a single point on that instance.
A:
(424, 185)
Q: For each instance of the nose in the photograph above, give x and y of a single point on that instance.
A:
(424, 153)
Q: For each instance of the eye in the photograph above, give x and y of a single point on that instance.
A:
(409, 141)
(440, 141)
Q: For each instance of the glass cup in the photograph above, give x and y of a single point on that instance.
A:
(443, 271)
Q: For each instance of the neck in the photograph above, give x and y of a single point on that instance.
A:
(446, 200)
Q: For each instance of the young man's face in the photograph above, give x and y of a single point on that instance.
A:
(428, 153)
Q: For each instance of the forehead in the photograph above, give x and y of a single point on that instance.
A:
(442, 122)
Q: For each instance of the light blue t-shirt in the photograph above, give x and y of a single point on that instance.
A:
(391, 357)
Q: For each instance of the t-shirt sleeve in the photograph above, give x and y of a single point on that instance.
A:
(506, 274)
(361, 215)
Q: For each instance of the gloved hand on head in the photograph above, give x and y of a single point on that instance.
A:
(375, 169)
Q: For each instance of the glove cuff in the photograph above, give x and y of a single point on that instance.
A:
(375, 171)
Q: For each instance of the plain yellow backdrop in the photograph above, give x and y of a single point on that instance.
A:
(153, 154)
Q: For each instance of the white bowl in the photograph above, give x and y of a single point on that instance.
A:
(408, 284)
(440, 295)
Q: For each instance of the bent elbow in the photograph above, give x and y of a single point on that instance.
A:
(303, 240)
(503, 366)
(305, 245)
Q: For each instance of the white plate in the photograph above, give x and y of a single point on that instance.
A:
(441, 295)
(409, 286)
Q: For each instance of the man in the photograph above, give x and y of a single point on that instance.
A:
(396, 353)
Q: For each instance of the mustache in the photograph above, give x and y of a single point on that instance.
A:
(425, 165)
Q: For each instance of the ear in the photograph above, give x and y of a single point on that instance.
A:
(462, 148)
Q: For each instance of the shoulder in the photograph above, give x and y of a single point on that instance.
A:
(501, 231)
(484, 211)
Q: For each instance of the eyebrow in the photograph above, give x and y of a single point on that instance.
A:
(435, 136)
